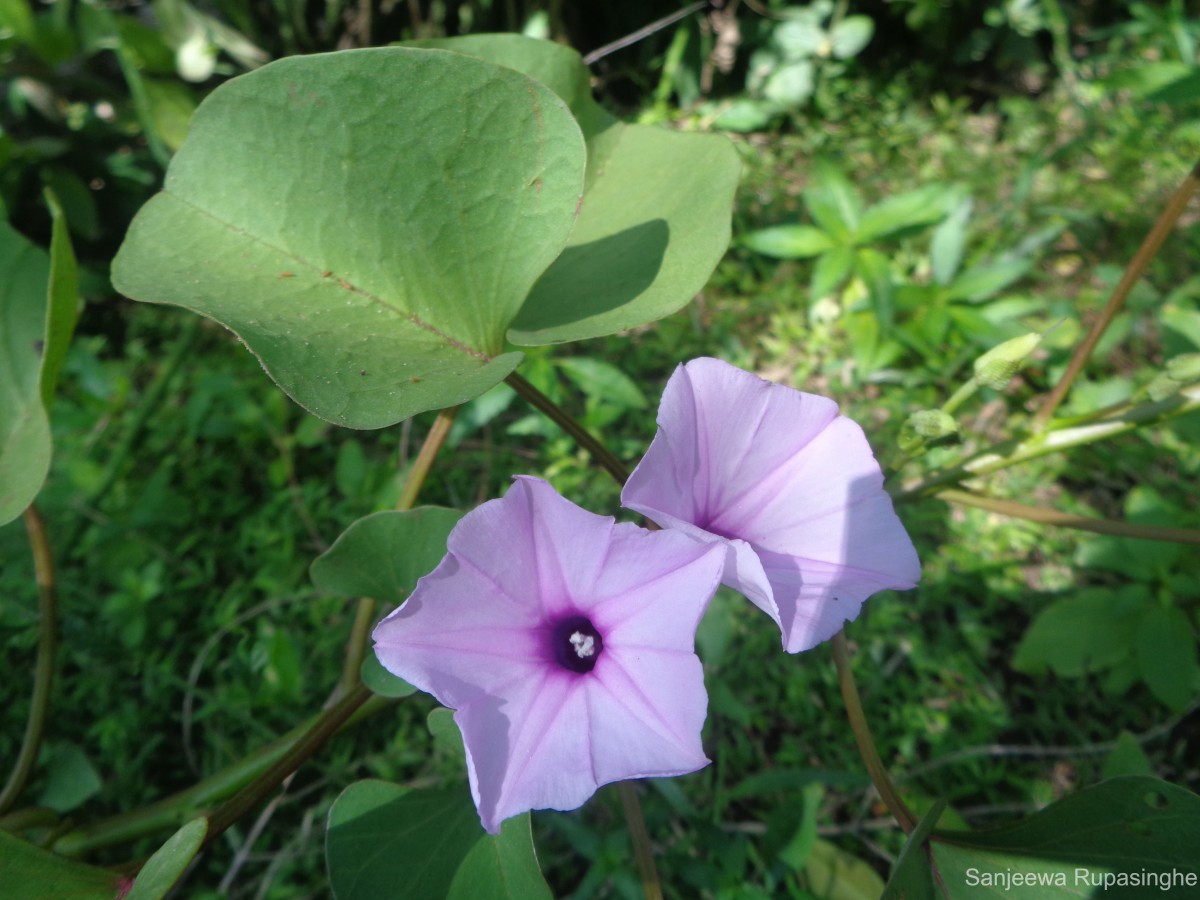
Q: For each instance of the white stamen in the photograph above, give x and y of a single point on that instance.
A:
(584, 644)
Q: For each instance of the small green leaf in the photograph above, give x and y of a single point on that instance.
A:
(31, 873)
(850, 35)
(71, 779)
(986, 280)
(1166, 653)
(603, 381)
(832, 201)
(1127, 758)
(949, 241)
(169, 862)
(791, 84)
(384, 554)
(830, 270)
(834, 874)
(788, 241)
(903, 212)
(1083, 633)
(382, 682)
(368, 222)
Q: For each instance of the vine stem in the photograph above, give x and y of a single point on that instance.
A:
(862, 735)
(43, 679)
(642, 850)
(364, 615)
(559, 416)
(321, 729)
(1121, 420)
(173, 811)
(1068, 520)
(1136, 268)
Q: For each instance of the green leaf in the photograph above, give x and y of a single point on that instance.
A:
(902, 212)
(603, 381)
(503, 867)
(169, 862)
(984, 281)
(832, 201)
(788, 241)
(911, 877)
(1083, 633)
(834, 874)
(1125, 825)
(875, 270)
(31, 873)
(799, 38)
(384, 841)
(381, 681)
(850, 35)
(949, 240)
(1166, 653)
(39, 304)
(71, 779)
(654, 220)
(1127, 758)
(368, 223)
(384, 554)
(830, 270)
(791, 84)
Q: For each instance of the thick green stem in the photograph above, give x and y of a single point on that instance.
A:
(1010, 453)
(364, 615)
(43, 677)
(642, 850)
(862, 735)
(1137, 266)
(556, 414)
(171, 812)
(321, 730)
(1068, 520)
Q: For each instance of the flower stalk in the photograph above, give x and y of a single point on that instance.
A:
(1043, 516)
(559, 417)
(43, 679)
(862, 735)
(640, 837)
(1137, 266)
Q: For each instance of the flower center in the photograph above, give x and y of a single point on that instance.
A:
(577, 644)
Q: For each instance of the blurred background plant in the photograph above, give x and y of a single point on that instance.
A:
(923, 181)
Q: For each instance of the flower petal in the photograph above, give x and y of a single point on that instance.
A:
(793, 486)
(530, 748)
(458, 637)
(646, 708)
(656, 586)
(538, 547)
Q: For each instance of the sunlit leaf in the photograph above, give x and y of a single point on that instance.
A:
(788, 241)
(655, 215)
(368, 222)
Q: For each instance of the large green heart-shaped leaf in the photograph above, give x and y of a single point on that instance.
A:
(368, 223)
(385, 841)
(39, 303)
(655, 215)
(1116, 834)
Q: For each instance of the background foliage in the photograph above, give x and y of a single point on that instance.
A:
(968, 173)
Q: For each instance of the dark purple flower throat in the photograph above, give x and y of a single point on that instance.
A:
(576, 643)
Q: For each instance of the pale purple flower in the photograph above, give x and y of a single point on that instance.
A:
(566, 644)
(790, 487)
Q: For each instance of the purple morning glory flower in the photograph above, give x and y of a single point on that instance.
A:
(566, 644)
(787, 485)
